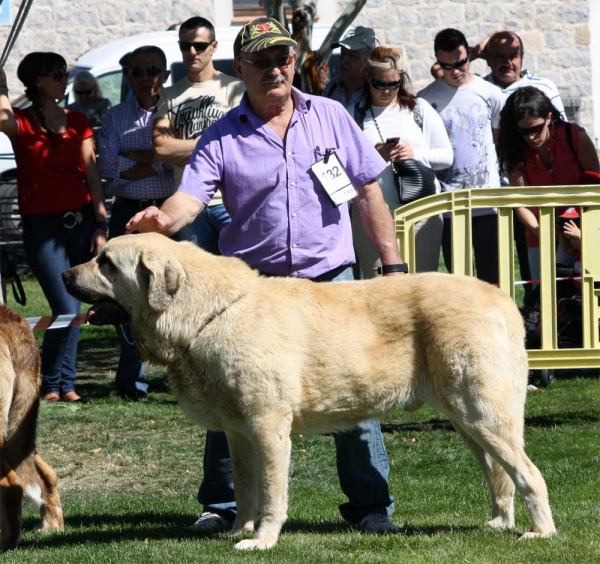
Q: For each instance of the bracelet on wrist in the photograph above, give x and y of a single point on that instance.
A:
(389, 268)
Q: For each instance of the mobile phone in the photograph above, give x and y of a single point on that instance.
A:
(392, 140)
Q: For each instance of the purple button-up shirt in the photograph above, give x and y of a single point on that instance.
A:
(282, 220)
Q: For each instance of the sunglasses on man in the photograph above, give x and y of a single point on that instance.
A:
(381, 85)
(145, 72)
(57, 75)
(452, 66)
(199, 46)
(264, 64)
(535, 130)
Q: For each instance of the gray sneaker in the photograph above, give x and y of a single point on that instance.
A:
(378, 524)
(211, 523)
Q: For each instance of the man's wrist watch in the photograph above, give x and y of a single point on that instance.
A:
(389, 268)
(102, 225)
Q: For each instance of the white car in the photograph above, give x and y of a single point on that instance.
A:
(103, 63)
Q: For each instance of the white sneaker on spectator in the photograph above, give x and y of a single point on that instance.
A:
(378, 524)
(211, 523)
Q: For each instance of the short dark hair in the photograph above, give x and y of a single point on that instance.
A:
(449, 40)
(151, 50)
(197, 22)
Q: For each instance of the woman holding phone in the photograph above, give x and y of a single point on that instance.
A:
(401, 127)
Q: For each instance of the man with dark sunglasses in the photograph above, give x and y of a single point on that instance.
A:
(286, 222)
(356, 45)
(470, 109)
(187, 109)
(135, 178)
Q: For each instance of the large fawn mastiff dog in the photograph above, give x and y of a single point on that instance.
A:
(23, 472)
(261, 358)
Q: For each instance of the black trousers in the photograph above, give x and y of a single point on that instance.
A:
(485, 246)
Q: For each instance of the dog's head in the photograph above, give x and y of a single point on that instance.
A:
(132, 275)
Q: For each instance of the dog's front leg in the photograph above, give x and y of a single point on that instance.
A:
(272, 444)
(243, 459)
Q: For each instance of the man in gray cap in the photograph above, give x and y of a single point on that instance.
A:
(356, 46)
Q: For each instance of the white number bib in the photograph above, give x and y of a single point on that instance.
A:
(334, 179)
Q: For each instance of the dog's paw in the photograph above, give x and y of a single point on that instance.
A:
(534, 535)
(255, 544)
(500, 523)
(241, 527)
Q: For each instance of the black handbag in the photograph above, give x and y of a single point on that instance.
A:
(414, 180)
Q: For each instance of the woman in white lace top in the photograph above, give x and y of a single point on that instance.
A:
(401, 127)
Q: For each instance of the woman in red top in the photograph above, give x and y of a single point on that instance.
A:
(60, 199)
(536, 147)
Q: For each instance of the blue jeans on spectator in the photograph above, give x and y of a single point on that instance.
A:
(50, 250)
(204, 230)
(362, 463)
(131, 376)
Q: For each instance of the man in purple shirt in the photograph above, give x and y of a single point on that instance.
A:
(285, 224)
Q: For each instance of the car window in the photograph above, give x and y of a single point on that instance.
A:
(111, 86)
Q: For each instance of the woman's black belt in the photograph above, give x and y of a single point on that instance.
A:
(141, 204)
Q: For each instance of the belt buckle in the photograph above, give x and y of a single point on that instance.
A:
(72, 219)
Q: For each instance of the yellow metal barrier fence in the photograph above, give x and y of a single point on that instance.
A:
(460, 205)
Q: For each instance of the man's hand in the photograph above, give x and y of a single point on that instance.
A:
(148, 220)
(177, 211)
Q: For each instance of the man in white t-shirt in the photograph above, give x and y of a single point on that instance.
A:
(470, 109)
(186, 110)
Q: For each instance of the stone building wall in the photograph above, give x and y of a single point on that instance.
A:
(556, 34)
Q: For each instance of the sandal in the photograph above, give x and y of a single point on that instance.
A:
(52, 396)
(73, 397)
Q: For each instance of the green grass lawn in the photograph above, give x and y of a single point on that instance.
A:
(129, 474)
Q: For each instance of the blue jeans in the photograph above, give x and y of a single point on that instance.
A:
(50, 250)
(362, 464)
(204, 230)
(131, 376)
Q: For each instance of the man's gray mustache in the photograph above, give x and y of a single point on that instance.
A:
(275, 80)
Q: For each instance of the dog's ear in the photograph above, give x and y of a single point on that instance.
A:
(165, 277)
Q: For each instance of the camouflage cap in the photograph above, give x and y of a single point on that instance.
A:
(259, 34)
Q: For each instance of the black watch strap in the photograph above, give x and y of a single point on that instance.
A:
(102, 225)
(389, 268)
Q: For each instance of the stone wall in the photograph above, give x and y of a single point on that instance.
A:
(556, 34)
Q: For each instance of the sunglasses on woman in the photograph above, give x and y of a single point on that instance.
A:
(144, 72)
(535, 130)
(83, 92)
(199, 46)
(452, 66)
(57, 75)
(381, 85)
